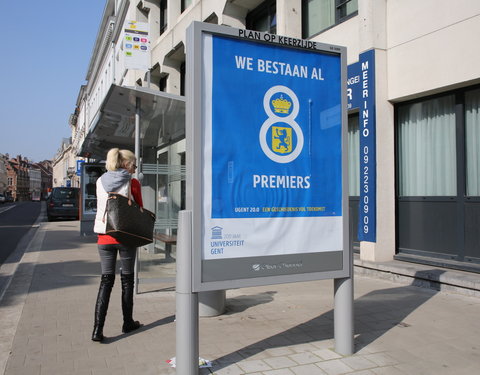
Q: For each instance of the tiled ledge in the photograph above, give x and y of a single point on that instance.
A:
(437, 278)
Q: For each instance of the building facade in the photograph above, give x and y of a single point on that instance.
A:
(18, 178)
(3, 174)
(45, 168)
(414, 102)
(35, 177)
(64, 166)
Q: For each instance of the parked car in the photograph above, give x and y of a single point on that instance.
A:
(2, 198)
(63, 202)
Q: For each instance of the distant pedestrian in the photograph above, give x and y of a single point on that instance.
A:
(120, 165)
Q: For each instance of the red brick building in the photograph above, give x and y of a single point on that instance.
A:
(18, 180)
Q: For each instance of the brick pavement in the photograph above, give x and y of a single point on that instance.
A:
(46, 320)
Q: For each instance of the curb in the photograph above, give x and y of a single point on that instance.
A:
(13, 293)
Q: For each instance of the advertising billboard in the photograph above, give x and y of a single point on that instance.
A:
(267, 124)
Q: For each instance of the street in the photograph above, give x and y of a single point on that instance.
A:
(16, 219)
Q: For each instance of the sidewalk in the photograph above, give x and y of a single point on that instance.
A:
(46, 318)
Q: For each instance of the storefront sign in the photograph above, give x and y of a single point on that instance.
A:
(79, 167)
(361, 95)
(136, 46)
(273, 196)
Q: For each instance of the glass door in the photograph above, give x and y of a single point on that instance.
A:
(156, 263)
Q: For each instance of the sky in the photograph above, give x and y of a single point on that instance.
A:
(44, 57)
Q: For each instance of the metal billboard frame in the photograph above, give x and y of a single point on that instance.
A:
(194, 162)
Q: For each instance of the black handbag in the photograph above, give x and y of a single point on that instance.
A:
(127, 222)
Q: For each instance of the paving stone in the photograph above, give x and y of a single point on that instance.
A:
(279, 362)
(381, 359)
(304, 358)
(232, 369)
(253, 365)
(309, 369)
(388, 370)
(283, 371)
(334, 367)
(358, 363)
(326, 354)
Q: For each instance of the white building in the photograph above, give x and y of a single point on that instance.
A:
(64, 166)
(35, 183)
(423, 115)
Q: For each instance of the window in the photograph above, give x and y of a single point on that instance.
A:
(472, 142)
(263, 18)
(185, 4)
(10, 181)
(319, 15)
(163, 16)
(162, 84)
(182, 78)
(426, 146)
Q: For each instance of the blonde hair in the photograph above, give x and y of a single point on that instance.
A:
(117, 158)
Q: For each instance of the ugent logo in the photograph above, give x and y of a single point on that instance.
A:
(281, 138)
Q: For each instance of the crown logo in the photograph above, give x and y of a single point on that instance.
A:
(281, 105)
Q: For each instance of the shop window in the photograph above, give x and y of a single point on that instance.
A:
(163, 16)
(263, 18)
(319, 15)
(472, 142)
(185, 4)
(426, 147)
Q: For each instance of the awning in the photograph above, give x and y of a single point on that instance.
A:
(162, 121)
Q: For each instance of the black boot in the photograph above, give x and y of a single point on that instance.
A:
(101, 307)
(127, 303)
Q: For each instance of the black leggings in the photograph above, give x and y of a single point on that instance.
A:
(108, 258)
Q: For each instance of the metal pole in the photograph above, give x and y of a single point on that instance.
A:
(187, 346)
(137, 157)
(343, 316)
(138, 104)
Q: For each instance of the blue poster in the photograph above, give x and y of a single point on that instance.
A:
(361, 95)
(276, 148)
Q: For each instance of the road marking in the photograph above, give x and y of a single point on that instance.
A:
(19, 226)
(5, 209)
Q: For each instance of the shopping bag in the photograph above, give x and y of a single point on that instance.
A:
(127, 222)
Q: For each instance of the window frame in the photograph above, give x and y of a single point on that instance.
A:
(267, 8)
(460, 130)
(185, 4)
(163, 16)
(338, 18)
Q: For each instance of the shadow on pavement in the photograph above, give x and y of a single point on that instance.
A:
(242, 303)
(375, 314)
(65, 239)
(146, 327)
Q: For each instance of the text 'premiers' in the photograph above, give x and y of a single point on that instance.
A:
(281, 182)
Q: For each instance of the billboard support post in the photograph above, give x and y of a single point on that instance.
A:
(187, 346)
(343, 316)
(138, 108)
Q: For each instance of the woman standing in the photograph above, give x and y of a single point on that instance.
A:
(120, 165)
